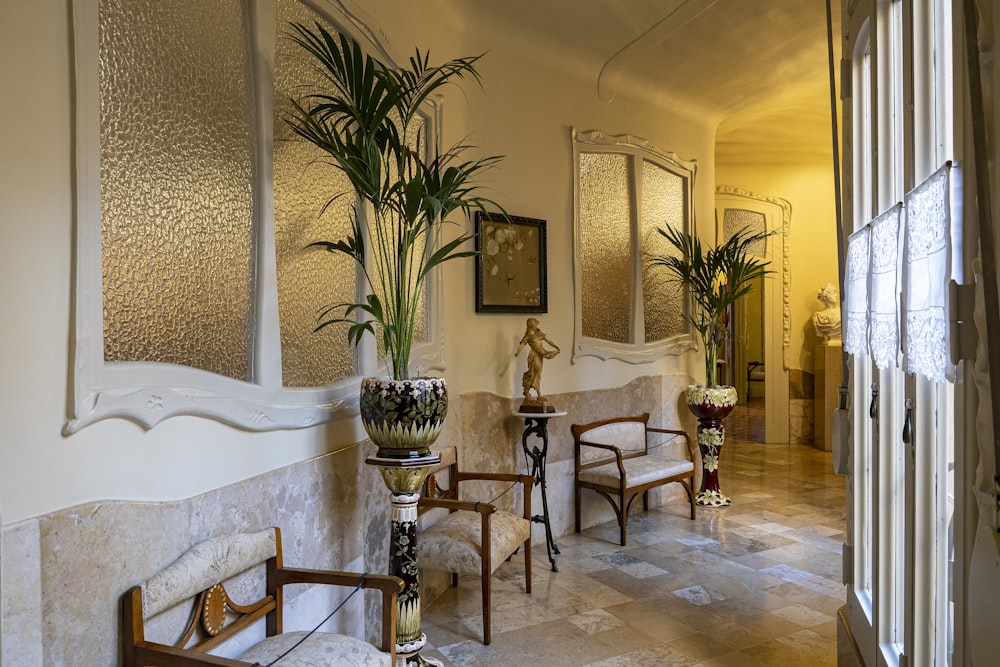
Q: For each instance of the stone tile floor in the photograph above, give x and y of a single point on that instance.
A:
(757, 583)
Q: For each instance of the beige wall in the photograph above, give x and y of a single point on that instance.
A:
(525, 112)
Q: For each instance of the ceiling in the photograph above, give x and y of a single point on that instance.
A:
(759, 67)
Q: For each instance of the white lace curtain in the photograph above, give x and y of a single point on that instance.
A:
(856, 292)
(899, 266)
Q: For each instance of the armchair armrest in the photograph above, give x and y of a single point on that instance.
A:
(495, 477)
(153, 653)
(451, 504)
(619, 461)
(293, 575)
(390, 586)
(683, 434)
(601, 445)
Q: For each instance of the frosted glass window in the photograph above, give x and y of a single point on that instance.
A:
(177, 166)
(606, 259)
(308, 279)
(664, 204)
(195, 291)
(626, 191)
(735, 219)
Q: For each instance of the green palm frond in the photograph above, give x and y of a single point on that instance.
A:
(361, 117)
(715, 279)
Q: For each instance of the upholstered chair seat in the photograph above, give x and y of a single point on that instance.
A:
(476, 536)
(454, 543)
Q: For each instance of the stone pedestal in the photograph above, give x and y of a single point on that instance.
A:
(827, 358)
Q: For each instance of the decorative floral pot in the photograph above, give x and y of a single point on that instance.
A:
(403, 417)
(711, 405)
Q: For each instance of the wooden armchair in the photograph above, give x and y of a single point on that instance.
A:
(612, 457)
(475, 537)
(198, 576)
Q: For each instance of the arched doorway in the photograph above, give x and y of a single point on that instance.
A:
(767, 314)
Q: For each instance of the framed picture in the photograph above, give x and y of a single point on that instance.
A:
(510, 265)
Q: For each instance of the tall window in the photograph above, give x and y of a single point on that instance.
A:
(625, 191)
(195, 291)
(908, 219)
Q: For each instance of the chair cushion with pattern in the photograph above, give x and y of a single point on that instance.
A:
(453, 543)
(638, 471)
(319, 650)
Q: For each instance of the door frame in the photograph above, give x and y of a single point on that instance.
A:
(777, 214)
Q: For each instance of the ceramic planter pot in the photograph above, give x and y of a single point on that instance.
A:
(711, 405)
(403, 417)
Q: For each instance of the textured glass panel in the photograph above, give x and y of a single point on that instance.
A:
(663, 205)
(418, 129)
(606, 246)
(177, 209)
(308, 279)
(735, 219)
(415, 140)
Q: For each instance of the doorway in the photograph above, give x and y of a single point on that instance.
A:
(757, 354)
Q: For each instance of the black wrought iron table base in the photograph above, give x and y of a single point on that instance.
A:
(536, 424)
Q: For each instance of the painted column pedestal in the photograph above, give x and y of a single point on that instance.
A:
(404, 418)
(711, 405)
(404, 478)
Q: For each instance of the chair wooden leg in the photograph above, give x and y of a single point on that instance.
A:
(623, 517)
(689, 488)
(577, 506)
(486, 608)
(527, 566)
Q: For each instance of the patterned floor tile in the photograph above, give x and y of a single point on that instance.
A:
(754, 584)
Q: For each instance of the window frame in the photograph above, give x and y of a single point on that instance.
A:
(901, 490)
(636, 151)
(148, 393)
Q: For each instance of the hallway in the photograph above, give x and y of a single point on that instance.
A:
(755, 584)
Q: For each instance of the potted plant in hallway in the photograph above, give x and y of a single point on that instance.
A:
(363, 119)
(715, 279)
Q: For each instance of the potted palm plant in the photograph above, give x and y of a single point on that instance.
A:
(715, 278)
(365, 118)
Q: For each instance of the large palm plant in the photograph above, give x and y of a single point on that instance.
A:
(716, 278)
(363, 118)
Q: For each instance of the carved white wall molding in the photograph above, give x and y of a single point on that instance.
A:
(147, 393)
(785, 267)
(626, 144)
(355, 21)
(777, 298)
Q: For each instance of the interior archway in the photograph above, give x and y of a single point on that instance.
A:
(734, 208)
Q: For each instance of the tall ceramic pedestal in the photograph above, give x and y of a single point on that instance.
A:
(405, 477)
(711, 406)
(403, 418)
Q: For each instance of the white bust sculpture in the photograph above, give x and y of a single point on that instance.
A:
(827, 321)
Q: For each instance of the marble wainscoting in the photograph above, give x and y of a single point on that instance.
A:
(64, 573)
(488, 438)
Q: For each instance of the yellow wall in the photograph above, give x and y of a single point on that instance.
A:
(809, 188)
